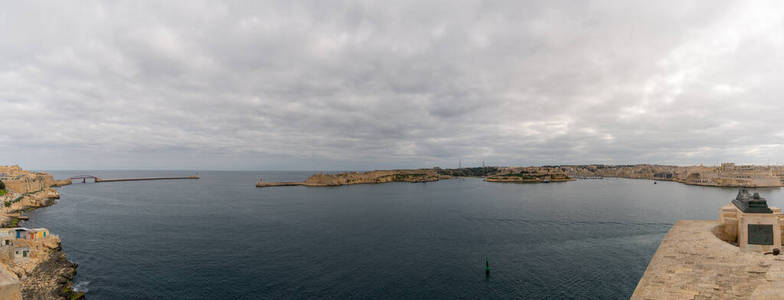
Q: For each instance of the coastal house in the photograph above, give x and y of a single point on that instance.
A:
(30, 234)
(21, 252)
(6, 237)
(24, 243)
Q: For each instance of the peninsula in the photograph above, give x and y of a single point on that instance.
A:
(32, 263)
(347, 178)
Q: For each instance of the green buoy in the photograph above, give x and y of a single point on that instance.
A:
(487, 267)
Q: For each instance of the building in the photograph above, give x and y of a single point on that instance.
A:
(22, 243)
(30, 234)
(21, 252)
(730, 174)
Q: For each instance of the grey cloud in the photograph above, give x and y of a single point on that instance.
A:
(362, 85)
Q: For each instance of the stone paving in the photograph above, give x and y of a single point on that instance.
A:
(692, 263)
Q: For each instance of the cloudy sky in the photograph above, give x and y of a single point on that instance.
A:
(330, 85)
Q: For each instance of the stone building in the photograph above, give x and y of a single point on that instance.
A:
(24, 243)
(730, 174)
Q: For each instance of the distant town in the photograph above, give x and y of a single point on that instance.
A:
(725, 175)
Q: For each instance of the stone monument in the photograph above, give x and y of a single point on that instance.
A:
(749, 222)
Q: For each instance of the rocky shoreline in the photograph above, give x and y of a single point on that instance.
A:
(51, 278)
(47, 273)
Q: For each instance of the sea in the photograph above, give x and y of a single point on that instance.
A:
(220, 237)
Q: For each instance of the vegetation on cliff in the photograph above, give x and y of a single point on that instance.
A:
(528, 178)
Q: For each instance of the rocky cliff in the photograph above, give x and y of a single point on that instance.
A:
(14, 203)
(23, 182)
(47, 276)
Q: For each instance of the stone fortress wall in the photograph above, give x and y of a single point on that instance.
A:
(726, 174)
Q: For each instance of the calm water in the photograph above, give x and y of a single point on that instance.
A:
(220, 237)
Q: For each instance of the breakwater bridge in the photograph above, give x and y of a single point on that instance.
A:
(95, 179)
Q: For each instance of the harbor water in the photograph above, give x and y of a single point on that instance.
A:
(221, 237)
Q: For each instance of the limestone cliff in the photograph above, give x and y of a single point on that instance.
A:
(22, 181)
(13, 203)
(45, 273)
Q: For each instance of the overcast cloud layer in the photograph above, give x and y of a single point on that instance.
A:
(382, 84)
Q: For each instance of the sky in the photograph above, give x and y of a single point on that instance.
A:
(360, 85)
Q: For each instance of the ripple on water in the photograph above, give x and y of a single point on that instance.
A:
(215, 238)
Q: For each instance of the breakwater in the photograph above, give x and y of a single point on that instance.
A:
(97, 179)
